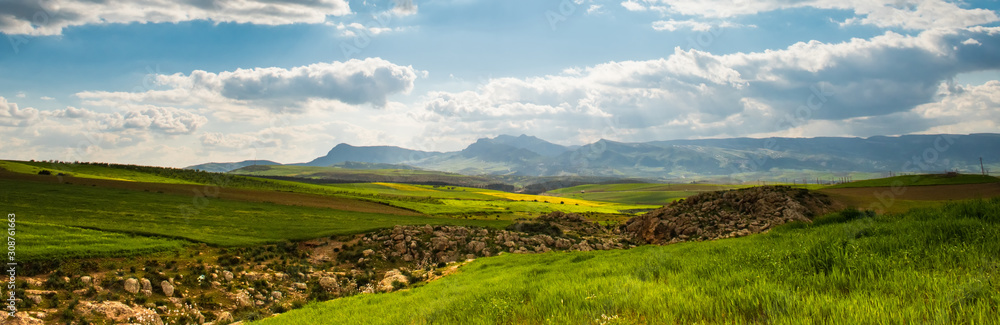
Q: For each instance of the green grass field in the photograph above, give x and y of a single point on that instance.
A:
(933, 265)
(87, 171)
(920, 180)
(440, 201)
(44, 242)
(640, 193)
(363, 175)
(207, 220)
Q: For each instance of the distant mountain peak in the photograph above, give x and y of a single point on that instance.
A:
(530, 143)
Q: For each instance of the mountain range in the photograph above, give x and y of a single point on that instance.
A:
(740, 158)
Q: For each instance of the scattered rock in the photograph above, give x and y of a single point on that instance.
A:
(223, 318)
(243, 299)
(328, 283)
(21, 318)
(35, 299)
(86, 279)
(168, 289)
(132, 285)
(118, 312)
(392, 276)
(147, 287)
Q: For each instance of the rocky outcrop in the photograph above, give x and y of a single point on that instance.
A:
(118, 312)
(21, 318)
(430, 245)
(725, 214)
(393, 280)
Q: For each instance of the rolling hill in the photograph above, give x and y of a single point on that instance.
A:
(720, 160)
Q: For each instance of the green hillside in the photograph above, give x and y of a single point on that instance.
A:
(652, 194)
(929, 265)
(198, 219)
(90, 171)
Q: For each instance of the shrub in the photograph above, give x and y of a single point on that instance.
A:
(845, 215)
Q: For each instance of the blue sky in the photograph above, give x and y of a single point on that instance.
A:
(183, 82)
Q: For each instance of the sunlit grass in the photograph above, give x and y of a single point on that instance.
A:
(934, 265)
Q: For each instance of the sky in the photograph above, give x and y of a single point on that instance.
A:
(183, 82)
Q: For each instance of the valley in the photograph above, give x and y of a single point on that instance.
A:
(121, 243)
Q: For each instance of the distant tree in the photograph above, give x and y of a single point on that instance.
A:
(44, 172)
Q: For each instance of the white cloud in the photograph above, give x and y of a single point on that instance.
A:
(595, 9)
(33, 17)
(355, 82)
(46, 98)
(12, 115)
(965, 109)
(867, 85)
(971, 41)
(673, 25)
(353, 29)
(908, 14)
(404, 8)
(167, 120)
(21, 94)
(632, 5)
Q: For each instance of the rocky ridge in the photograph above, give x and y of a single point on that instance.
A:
(725, 214)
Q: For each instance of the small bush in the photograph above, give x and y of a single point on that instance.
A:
(843, 216)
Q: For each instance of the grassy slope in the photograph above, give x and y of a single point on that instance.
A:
(214, 221)
(457, 200)
(44, 242)
(650, 194)
(87, 171)
(920, 180)
(441, 200)
(930, 265)
(317, 172)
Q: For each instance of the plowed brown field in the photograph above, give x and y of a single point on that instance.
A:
(900, 199)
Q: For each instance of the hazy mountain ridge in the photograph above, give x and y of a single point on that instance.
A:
(682, 159)
(228, 166)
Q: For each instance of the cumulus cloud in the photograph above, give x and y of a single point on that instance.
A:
(167, 120)
(33, 17)
(355, 82)
(908, 14)
(861, 83)
(12, 115)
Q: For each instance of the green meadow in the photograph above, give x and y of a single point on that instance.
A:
(88, 171)
(931, 265)
(197, 219)
(639, 193)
